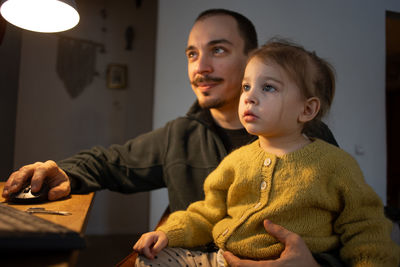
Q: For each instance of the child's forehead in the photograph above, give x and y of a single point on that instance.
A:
(258, 66)
(267, 61)
(260, 70)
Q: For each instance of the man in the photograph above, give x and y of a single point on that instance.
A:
(180, 155)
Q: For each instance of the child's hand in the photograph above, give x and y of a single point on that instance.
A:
(151, 243)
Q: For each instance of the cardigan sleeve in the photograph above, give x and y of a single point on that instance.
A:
(363, 228)
(193, 227)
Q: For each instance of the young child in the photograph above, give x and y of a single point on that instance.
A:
(305, 185)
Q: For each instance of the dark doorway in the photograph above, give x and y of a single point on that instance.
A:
(393, 108)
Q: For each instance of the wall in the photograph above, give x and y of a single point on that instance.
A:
(52, 125)
(350, 34)
(10, 46)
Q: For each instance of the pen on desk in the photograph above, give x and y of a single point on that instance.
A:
(44, 211)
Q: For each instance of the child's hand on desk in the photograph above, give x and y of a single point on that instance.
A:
(149, 244)
(39, 173)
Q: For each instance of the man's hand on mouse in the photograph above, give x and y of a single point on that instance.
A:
(55, 177)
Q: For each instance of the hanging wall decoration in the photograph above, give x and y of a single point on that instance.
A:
(76, 62)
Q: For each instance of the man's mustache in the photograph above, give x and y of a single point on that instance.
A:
(202, 79)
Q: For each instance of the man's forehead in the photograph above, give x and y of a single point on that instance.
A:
(214, 30)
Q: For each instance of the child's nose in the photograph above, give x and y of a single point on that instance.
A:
(250, 98)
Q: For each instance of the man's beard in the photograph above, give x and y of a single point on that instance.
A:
(212, 103)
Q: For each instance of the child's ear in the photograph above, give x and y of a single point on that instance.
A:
(310, 110)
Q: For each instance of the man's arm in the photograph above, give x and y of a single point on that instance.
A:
(132, 167)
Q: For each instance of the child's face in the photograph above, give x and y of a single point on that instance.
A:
(271, 103)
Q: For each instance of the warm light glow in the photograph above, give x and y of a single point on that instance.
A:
(40, 15)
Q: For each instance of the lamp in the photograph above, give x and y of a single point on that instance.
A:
(41, 15)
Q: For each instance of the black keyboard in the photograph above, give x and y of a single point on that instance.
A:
(20, 230)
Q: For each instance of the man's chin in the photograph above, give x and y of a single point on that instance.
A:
(211, 103)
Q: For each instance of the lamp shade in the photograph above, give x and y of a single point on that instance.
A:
(41, 15)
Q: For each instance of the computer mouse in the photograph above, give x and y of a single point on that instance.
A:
(26, 196)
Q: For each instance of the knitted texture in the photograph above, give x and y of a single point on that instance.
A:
(317, 192)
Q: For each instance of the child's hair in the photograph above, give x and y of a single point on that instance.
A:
(313, 75)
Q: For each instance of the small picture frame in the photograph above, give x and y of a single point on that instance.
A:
(117, 76)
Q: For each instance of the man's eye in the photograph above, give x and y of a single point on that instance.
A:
(218, 50)
(245, 87)
(269, 88)
(191, 54)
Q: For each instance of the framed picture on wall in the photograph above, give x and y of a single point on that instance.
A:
(117, 76)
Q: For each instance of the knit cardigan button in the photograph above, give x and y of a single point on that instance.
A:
(267, 162)
(263, 185)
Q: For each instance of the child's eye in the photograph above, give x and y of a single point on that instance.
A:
(245, 87)
(269, 88)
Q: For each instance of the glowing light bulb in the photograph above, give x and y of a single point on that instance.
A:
(41, 15)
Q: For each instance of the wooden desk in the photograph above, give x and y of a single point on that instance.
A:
(78, 205)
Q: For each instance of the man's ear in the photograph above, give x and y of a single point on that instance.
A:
(310, 110)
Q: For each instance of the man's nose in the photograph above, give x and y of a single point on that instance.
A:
(204, 64)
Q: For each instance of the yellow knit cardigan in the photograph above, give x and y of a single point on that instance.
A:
(317, 192)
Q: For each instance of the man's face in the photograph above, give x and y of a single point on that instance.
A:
(216, 61)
